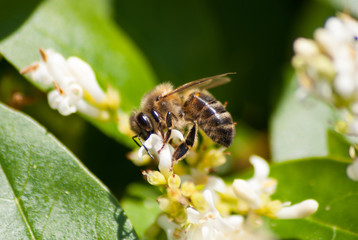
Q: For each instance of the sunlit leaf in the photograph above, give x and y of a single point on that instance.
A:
(299, 127)
(84, 29)
(46, 192)
(324, 180)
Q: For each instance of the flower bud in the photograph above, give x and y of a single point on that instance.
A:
(188, 188)
(174, 181)
(155, 178)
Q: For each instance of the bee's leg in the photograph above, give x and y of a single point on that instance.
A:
(182, 150)
(168, 134)
(160, 128)
(140, 140)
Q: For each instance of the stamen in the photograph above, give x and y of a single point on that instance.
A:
(43, 54)
(30, 68)
(58, 88)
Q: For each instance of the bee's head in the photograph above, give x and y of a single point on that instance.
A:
(141, 124)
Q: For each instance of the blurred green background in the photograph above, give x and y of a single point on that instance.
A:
(183, 41)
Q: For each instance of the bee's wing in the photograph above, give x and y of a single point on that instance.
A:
(203, 83)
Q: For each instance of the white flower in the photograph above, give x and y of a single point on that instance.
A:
(155, 143)
(251, 191)
(244, 191)
(211, 225)
(85, 76)
(331, 59)
(172, 229)
(260, 183)
(72, 79)
(215, 185)
(338, 39)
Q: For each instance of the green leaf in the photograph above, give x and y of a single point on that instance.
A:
(338, 146)
(12, 16)
(46, 193)
(324, 180)
(141, 206)
(299, 128)
(84, 28)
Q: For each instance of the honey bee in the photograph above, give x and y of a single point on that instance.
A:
(165, 108)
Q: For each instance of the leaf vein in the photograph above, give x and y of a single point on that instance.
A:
(331, 226)
(334, 233)
(48, 217)
(18, 205)
(95, 226)
(27, 178)
(6, 199)
(342, 197)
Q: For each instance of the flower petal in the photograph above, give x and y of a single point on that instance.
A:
(85, 76)
(177, 134)
(168, 226)
(89, 110)
(352, 170)
(41, 75)
(65, 108)
(243, 191)
(54, 99)
(261, 167)
(210, 200)
(57, 67)
(193, 215)
(299, 210)
(165, 161)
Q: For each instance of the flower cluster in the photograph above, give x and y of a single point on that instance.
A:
(197, 205)
(327, 67)
(74, 85)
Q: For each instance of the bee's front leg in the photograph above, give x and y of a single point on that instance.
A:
(169, 122)
(182, 150)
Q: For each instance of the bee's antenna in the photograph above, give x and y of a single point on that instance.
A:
(139, 145)
(133, 138)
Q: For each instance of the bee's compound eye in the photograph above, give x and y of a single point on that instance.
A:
(144, 122)
(155, 115)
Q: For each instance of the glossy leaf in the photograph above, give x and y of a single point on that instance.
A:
(84, 29)
(46, 193)
(299, 127)
(324, 180)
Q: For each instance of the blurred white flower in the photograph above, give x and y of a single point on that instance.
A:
(251, 190)
(72, 79)
(327, 67)
(352, 169)
(172, 229)
(299, 210)
(256, 191)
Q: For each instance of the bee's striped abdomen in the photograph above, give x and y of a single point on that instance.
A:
(211, 117)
